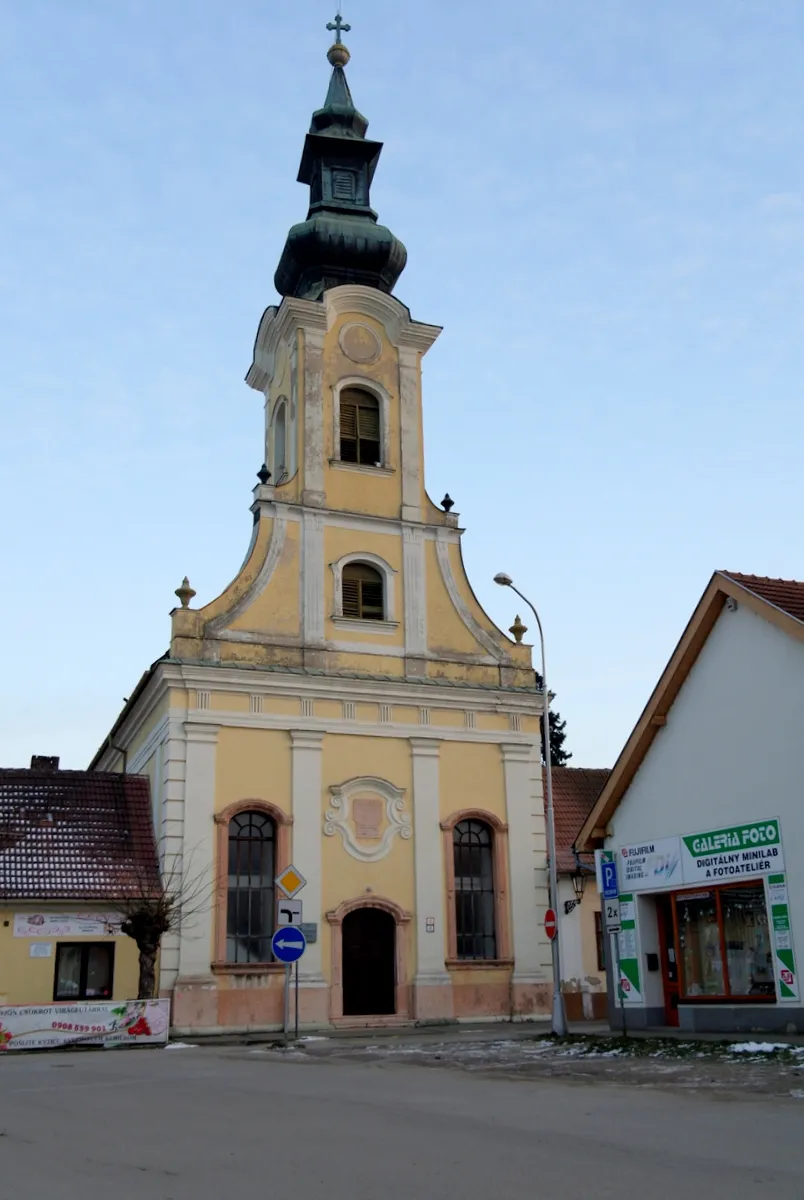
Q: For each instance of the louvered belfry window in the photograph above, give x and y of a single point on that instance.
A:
(344, 185)
(360, 427)
(362, 592)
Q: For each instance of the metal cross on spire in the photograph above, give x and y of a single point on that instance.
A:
(337, 27)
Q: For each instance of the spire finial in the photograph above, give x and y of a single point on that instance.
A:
(337, 54)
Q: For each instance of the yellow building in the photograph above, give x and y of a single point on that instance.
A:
(345, 704)
(75, 847)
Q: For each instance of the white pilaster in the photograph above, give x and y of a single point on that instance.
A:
(410, 420)
(415, 594)
(528, 877)
(428, 851)
(306, 755)
(170, 834)
(198, 850)
(313, 492)
(312, 582)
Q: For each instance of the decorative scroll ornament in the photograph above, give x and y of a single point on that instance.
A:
(353, 814)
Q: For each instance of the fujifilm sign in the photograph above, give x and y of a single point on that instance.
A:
(717, 855)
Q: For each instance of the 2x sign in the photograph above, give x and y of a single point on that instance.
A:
(611, 911)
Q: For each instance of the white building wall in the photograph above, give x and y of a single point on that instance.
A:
(570, 932)
(732, 749)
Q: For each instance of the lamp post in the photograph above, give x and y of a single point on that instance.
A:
(559, 1012)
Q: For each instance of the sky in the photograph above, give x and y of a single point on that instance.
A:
(603, 205)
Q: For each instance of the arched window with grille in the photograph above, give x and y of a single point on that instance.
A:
(362, 592)
(360, 428)
(472, 842)
(250, 892)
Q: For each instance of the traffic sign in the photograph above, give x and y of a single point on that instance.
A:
(550, 925)
(611, 910)
(608, 873)
(290, 881)
(288, 912)
(288, 944)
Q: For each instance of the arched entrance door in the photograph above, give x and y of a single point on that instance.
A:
(369, 954)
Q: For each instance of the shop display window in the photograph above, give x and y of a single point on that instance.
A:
(724, 943)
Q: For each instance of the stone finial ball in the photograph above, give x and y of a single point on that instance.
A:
(338, 55)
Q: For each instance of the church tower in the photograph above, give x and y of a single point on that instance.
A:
(345, 704)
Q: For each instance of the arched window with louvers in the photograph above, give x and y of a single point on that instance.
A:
(360, 428)
(362, 592)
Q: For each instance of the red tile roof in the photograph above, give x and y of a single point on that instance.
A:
(575, 790)
(786, 594)
(75, 835)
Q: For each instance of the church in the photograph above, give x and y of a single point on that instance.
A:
(345, 706)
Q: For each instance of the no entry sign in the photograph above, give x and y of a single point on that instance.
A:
(550, 926)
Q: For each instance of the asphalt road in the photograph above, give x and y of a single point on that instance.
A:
(202, 1123)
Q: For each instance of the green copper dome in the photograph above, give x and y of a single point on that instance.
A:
(341, 241)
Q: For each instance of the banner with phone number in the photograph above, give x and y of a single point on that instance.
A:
(53, 1026)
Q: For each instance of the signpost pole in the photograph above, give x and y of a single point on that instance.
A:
(296, 1005)
(286, 1021)
(614, 940)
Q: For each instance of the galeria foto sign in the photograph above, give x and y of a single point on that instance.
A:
(715, 856)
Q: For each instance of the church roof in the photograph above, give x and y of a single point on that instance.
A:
(75, 835)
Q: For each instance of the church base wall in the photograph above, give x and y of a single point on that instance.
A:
(532, 1000)
(195, 1003)
(207, 1006)
(433, 1001)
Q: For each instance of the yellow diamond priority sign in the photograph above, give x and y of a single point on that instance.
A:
(290, 881)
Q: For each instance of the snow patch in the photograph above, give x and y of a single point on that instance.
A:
(181, 1046)
(757, 1047)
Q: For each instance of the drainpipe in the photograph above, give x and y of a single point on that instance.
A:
(122, 752)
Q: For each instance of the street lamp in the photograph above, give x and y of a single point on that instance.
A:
(559, 1013)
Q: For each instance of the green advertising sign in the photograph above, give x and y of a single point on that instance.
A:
(735, 852)
(782, 938)
(630, 988)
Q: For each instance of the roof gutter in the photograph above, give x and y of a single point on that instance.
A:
(108, 742)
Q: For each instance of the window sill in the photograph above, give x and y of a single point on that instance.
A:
(224, 968)
(758, 999)
(477, 964)
(365, 625)
(361, 468)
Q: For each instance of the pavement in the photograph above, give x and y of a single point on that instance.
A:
(203, 1122)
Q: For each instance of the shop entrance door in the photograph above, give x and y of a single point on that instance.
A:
(667, 951)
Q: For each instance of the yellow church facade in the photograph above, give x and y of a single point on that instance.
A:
(345, 704)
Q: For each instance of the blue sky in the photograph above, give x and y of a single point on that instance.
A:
(603, 204)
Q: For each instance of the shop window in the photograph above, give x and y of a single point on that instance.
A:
(84, 971)
(474, 890)
(362, 592)
(250, 894)
(599, 947)
(360, 427)
(724, 943)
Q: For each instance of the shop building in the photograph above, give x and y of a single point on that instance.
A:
(73, 846)
(704, 818)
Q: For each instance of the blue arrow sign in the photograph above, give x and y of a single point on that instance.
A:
(288, 944)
